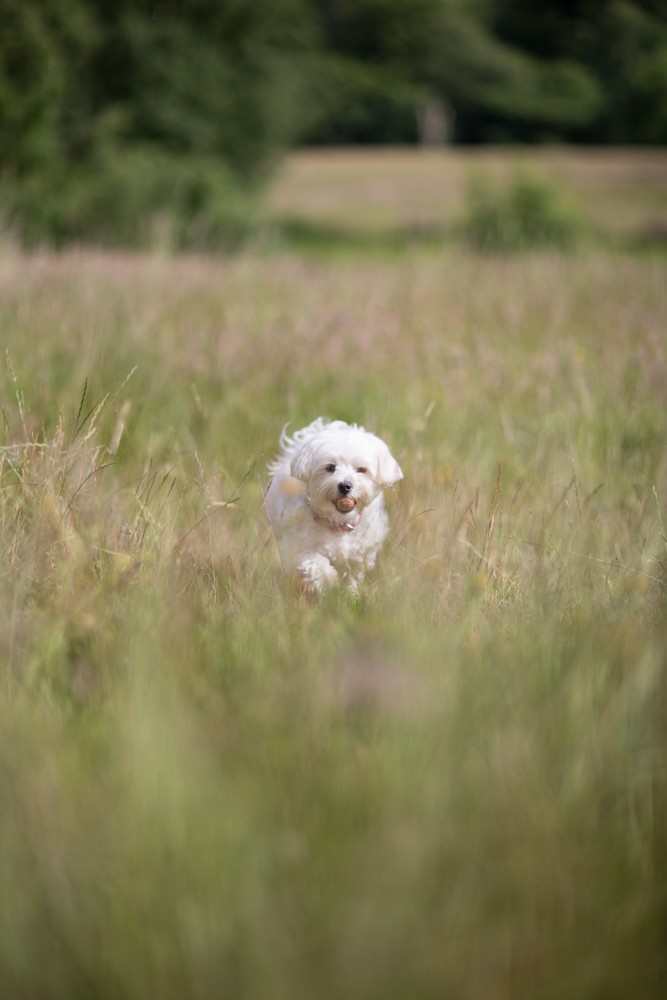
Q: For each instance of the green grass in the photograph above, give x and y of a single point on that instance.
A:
(453, 787)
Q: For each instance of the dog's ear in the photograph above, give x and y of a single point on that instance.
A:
(300, 467)
(389, 471)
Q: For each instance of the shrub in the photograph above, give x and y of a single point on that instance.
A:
(137, 197)
(529, 213)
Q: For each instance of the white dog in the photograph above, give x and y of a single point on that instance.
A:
(325, 503)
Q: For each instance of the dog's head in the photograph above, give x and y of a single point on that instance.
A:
(344, 468)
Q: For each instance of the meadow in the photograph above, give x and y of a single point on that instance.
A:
(454, 786)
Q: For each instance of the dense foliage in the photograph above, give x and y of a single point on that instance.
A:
(172, 108)
(591, 70)
(113, 115)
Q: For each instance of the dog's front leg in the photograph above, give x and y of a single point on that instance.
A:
(353, 580)
(317, 573)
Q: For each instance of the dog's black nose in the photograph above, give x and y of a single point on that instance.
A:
(344, 487)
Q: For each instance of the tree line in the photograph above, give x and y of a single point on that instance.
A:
(131, 91)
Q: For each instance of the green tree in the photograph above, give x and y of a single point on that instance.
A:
(117, 115)
(114, 115)
(43, 51)
(410, 49)
(621, 44)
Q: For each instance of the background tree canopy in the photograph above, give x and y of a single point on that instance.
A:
(124, 108)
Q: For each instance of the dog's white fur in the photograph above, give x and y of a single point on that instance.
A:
(316, 541)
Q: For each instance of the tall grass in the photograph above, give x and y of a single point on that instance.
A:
(454, 786)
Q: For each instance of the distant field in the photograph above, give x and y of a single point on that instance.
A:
(624, 191)
(454, 787)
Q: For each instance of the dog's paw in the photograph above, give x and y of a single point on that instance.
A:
(317, 574)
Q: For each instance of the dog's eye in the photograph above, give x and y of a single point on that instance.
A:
(330, 467)
(362, 469)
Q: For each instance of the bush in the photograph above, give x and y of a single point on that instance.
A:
(138, 197)
(530, 213)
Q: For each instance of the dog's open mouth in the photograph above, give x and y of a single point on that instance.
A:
(345, 504)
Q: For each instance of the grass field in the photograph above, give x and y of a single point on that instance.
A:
(401, 197)
(453, 787)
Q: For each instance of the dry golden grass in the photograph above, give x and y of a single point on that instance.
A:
(453, 786)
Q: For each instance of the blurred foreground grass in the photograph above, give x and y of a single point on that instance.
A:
(454, 787)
